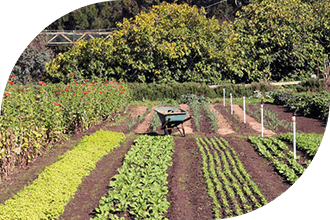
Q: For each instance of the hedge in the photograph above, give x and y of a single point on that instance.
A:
(154, 91)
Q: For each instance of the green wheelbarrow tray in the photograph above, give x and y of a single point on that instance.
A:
(171, 120)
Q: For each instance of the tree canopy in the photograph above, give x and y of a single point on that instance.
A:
(270, 40)
(105, 15)
(171, 42)
(276, 40)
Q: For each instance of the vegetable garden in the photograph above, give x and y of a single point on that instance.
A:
(143, 186)
(86, 143)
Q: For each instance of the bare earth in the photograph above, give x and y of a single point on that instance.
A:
(144, 126)
(224, 127)
(253, 123)
(139, 111)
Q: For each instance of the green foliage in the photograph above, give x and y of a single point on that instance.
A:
(316, 105)
(30, 66)
(47, 196)
(140, 187)
(269, 40)
(309, 143)
(227, 180)
(277, 152)
(35, 117)
(169, 43)
(276, 40)
(191, 98)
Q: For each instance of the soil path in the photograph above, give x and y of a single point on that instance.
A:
(144, 126)
(95, 185)
(270, 184)
(187, 189)
(304, 124)
(251, 121)
(139, 111)
(187, 125)
(224, 127)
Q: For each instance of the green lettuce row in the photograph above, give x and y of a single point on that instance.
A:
(47, 196)
(140, 190)
(306, 142)
(260, 144)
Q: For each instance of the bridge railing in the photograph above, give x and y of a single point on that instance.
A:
(69, 37)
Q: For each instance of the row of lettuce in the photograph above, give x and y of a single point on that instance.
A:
(34, 117)
(46, 197)
(139, 190)
(282, 158)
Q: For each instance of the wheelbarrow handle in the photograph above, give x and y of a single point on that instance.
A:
(187, 119)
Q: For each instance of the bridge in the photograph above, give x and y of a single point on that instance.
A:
(68, 38)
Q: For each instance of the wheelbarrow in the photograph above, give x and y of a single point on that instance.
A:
(171, 120)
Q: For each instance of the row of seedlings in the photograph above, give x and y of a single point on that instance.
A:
(229, 185)
(139, 190)
(282, 158)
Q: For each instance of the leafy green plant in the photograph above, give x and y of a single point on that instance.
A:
(47, 196)
(154, 122)
(140, 187)
(309, 143)
(278, 157)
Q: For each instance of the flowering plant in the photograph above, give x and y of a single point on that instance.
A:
(35, 117)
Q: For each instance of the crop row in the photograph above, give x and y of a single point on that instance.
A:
(34, 117)
(139, 190)
(229, 185)
(47, 196)
(279, 154)
(308, 143)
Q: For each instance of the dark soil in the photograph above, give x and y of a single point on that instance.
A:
(187, 188)
(238, 126)
(95, 185)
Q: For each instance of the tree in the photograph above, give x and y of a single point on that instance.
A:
(171, 42)
(275, 40)
(30, 67)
